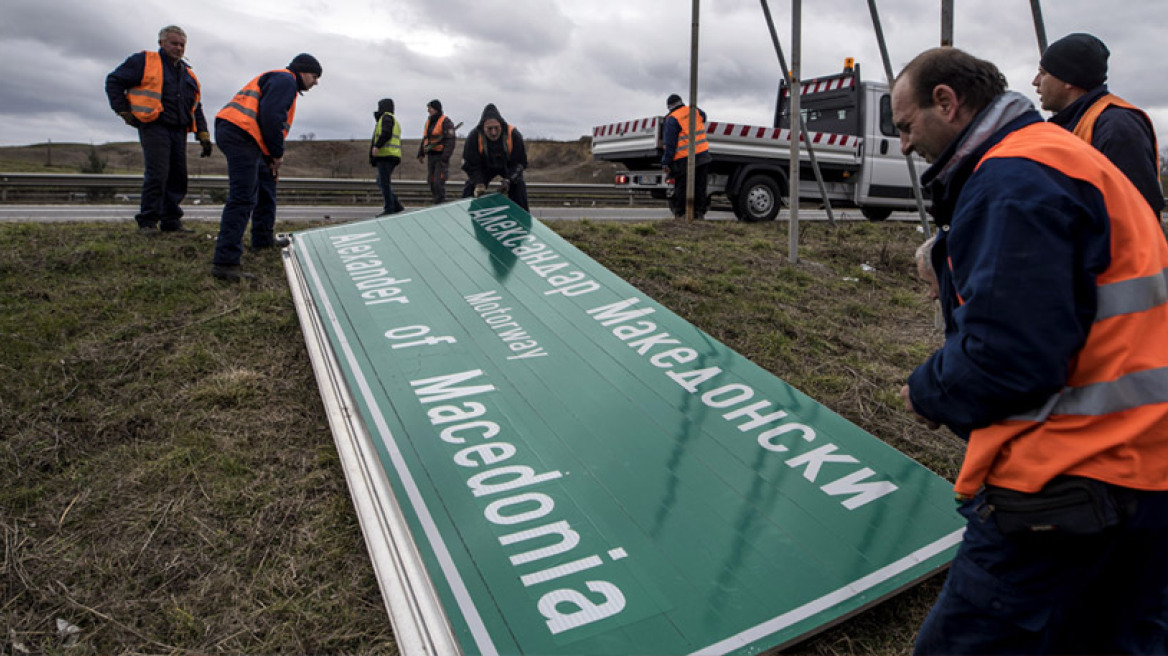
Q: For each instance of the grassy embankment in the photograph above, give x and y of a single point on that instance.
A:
(168, 482)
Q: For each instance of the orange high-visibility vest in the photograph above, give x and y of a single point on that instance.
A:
(1085, 129)
(243, 110)
(1110, 421)
(700, 143)
(432, 141)
(507, 145)
(146, 98)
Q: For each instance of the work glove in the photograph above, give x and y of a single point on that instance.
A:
(130, 119)
(505, 186)
(479, 190)
(204, 139)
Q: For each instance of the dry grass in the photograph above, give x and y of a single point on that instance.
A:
(168, 483)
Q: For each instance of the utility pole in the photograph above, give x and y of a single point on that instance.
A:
(691, 154)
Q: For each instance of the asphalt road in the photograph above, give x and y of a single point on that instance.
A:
(341, 214)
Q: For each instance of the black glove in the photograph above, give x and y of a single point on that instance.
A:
(205, 139)
(505, 186)
(130, 119)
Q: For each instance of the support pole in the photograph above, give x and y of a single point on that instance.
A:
(1039, 26)
(946, 23)
(766, 10)
(796, 123)
(691, 155)
(912, 169)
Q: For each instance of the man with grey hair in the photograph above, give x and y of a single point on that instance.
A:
(157, 93)
(1050, 275)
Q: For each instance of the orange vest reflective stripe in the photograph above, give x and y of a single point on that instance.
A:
(701, 145)
(146, 98)
(1085, 129)
(510, 143)
(1110, 421)
(243, 110)
(432, 141)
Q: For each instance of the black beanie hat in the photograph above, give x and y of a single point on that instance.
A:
(385, 105)
(673, 102)
(436, 104)
(1078, 59)
(305, 63)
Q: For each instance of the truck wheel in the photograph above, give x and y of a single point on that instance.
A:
(758, 200)
(876, 213)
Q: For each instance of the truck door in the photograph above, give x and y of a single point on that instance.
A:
(884, 178)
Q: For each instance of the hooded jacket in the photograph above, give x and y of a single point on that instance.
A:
(483, 159)
(387, 133)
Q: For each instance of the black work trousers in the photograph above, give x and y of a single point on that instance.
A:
(164, 180)
(701, 199)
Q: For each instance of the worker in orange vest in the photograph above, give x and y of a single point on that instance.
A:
(251, 130)
(1051, 273)
(157, 93)
(436, 149)
(1071, 83)
(675, 157)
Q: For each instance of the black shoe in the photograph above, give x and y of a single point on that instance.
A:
(280, 242)
(230, 273)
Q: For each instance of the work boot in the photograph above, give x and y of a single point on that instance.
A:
(280, 242)
(230, 273)
(175, 229)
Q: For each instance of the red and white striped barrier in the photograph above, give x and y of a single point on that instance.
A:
(779, 134)
(624, 127)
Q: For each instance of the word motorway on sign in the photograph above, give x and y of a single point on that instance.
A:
(546, 461)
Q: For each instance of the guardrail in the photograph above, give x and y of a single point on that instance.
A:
(81, 188)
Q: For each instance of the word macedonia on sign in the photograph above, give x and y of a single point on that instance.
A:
(546, 461)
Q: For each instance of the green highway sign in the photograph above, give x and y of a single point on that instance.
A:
(546, 461)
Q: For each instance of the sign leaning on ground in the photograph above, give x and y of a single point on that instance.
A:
(546, 461)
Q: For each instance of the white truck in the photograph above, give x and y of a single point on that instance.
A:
(849, 123)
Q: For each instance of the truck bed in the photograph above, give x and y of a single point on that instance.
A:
(638, 139)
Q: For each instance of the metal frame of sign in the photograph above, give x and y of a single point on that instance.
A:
(764, 520)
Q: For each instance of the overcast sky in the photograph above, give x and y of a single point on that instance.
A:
(554, 68)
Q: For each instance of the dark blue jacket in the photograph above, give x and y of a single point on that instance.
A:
(1126, 138)
(178, 93)
(278, 91)
(1026, 243)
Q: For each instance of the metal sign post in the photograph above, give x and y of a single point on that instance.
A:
(691, 155)
(796, 128)
(766, 10)
(1039, 25)
(912, 169)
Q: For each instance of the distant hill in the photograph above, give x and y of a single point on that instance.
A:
(549, 161)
